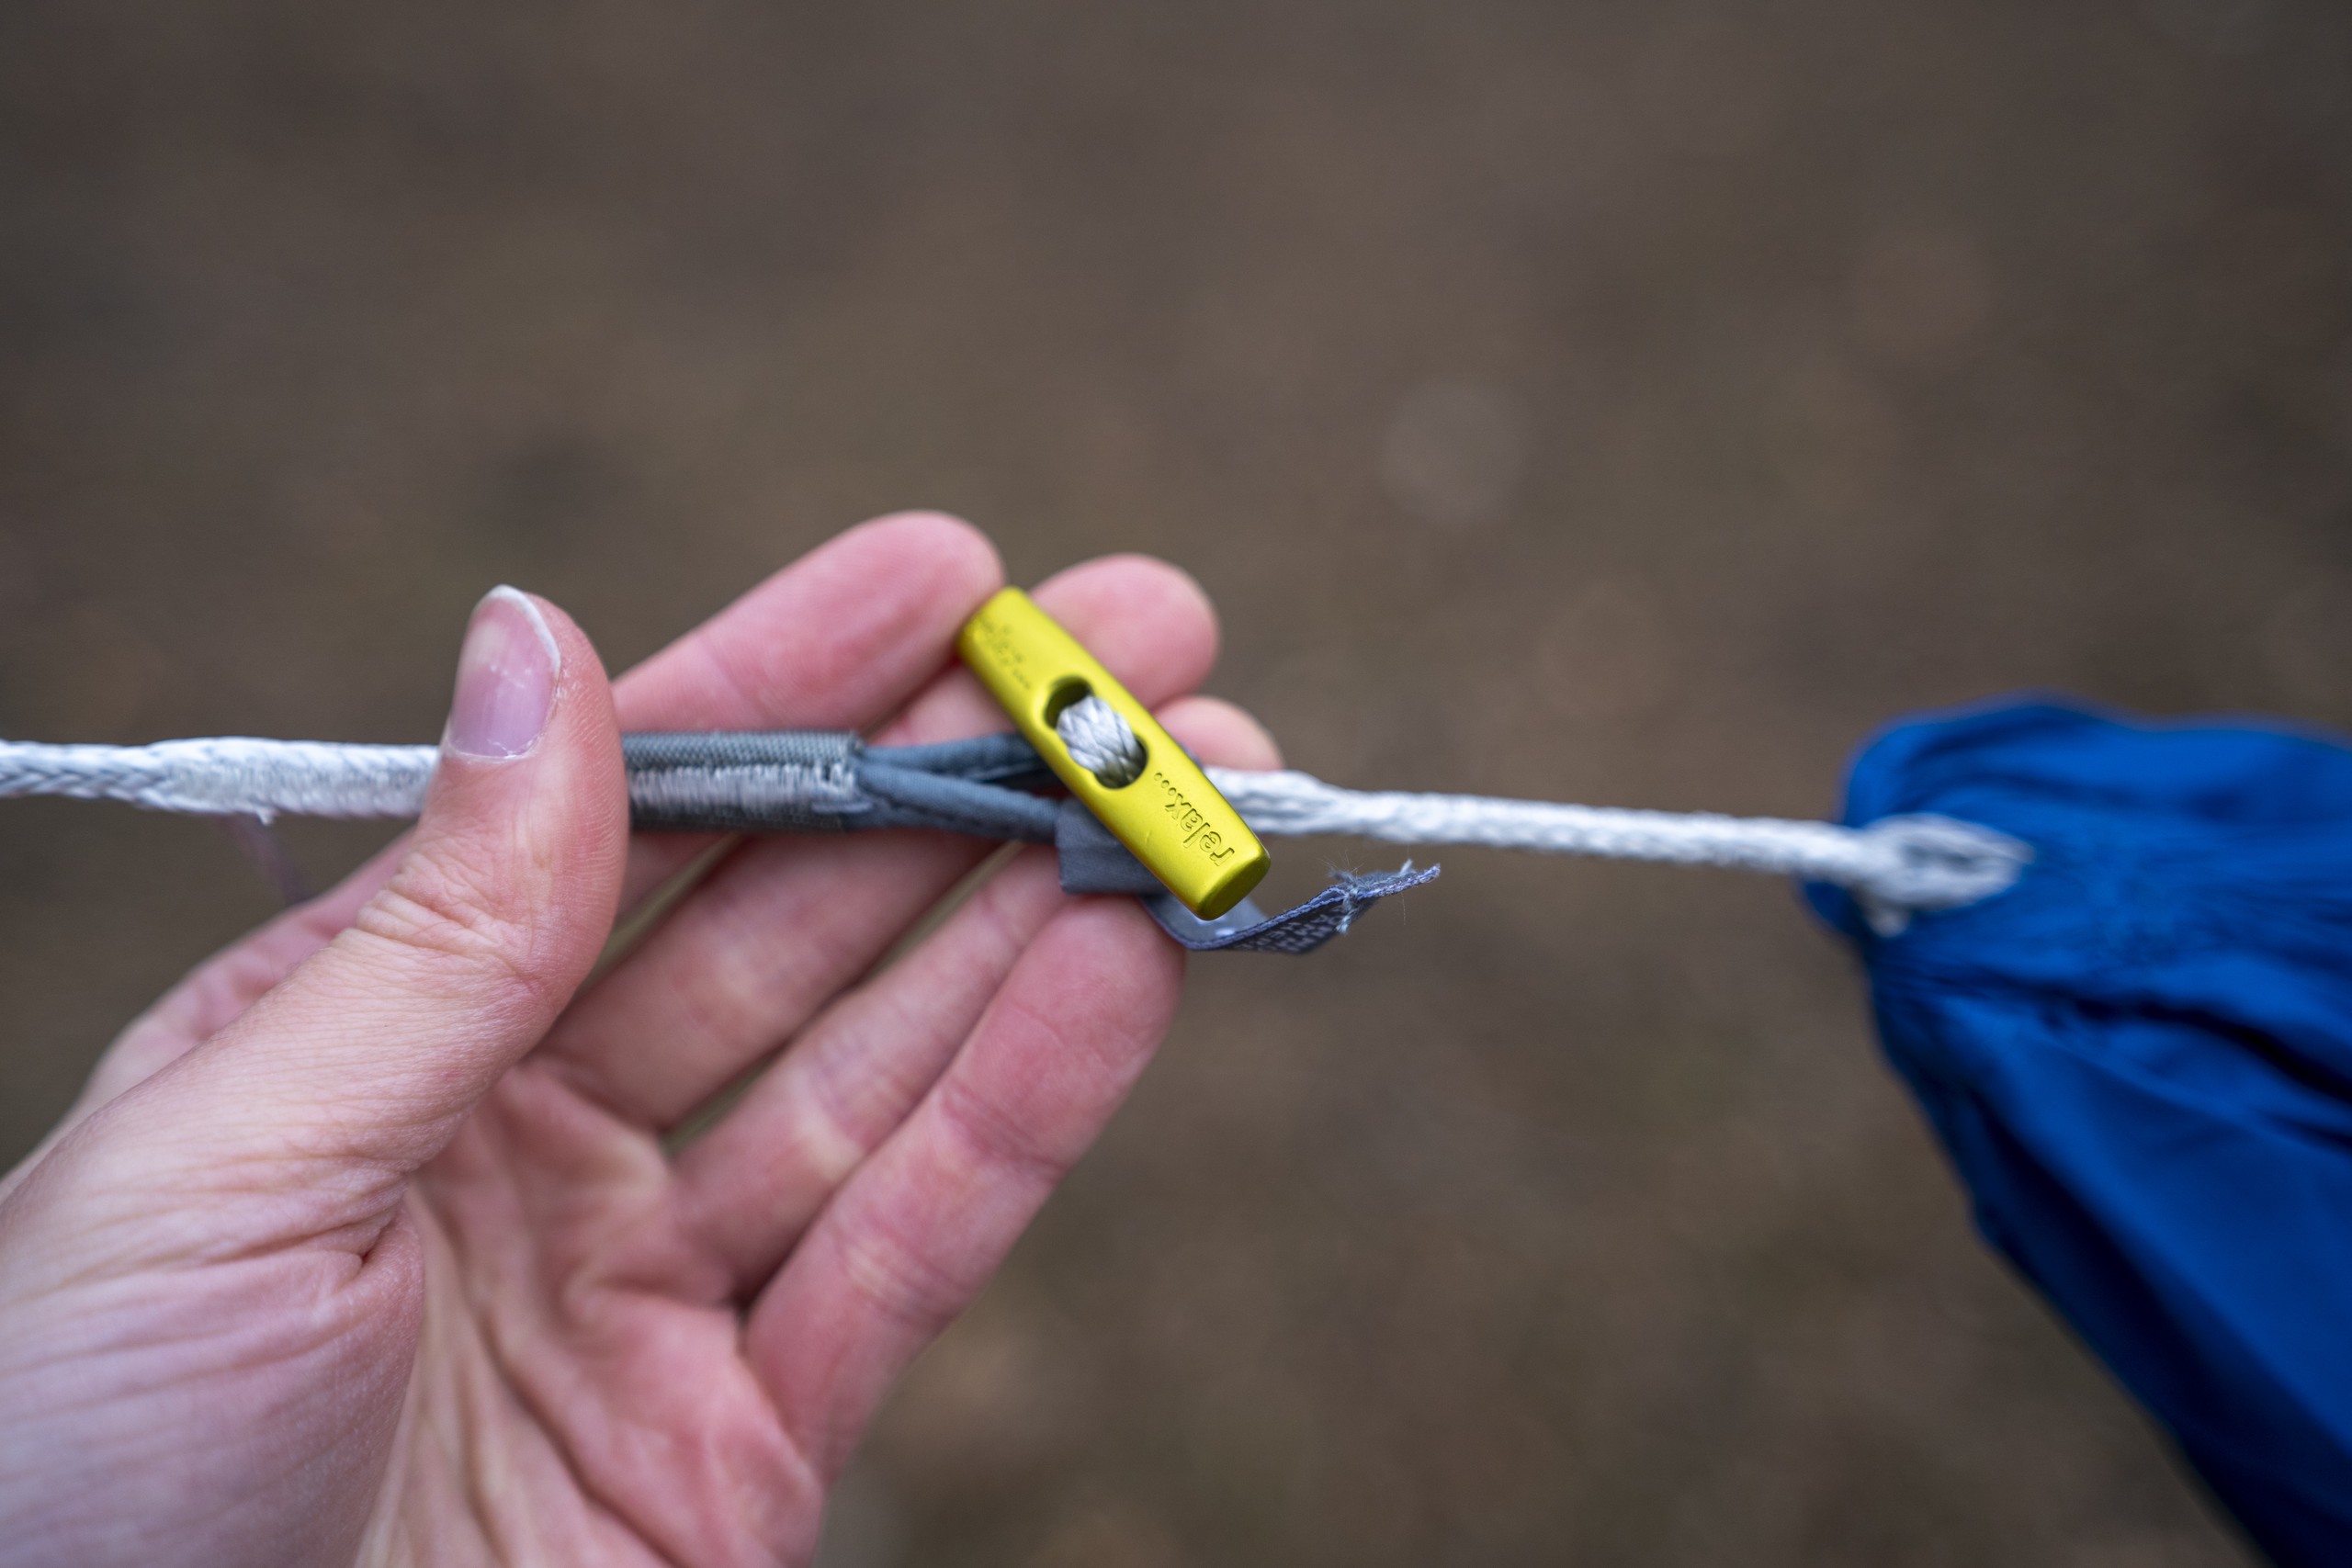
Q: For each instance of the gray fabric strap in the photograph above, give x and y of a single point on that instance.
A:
(1248, 929)
(1005, 758)
(910, 798)
(1299, 930)
(827, 782)
(1094, 861)
(1091, 859)
(735, 784)
(775, 781)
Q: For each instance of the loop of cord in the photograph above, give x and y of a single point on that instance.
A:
(1896, 867)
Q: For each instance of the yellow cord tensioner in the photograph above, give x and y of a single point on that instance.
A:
(1170, 818)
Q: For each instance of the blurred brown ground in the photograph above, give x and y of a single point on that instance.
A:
(1614, 403)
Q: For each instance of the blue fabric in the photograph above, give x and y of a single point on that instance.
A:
(2139, 1059)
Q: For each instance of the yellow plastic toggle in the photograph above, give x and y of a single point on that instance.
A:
(1170, 818)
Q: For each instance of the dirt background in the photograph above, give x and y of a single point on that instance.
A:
(1609, 402)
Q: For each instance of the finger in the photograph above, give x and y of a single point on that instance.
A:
(836, 640)
(1123, 608)
(784, 924)
(366, 1056)
(1221, 735)
(747, 1189)
(911, 1237)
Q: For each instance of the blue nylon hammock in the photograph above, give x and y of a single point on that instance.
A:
(2139, 1061)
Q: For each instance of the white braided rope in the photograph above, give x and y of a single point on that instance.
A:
(228, 775)
(1897, 867)
(1901, 864)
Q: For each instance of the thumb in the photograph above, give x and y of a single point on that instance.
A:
(375, 1049)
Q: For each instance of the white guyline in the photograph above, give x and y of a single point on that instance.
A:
(1895, 868)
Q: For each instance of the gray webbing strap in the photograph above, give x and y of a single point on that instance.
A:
(1094, 861)
(779, 782)
(822, 782)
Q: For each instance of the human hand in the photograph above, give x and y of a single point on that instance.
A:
(365, 1243)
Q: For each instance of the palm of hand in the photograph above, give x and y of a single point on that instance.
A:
(665, 1373)
(454, 1318)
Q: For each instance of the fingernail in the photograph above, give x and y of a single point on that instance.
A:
(505, 679)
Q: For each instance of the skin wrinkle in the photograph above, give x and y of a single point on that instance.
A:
(374, 1534)
(578, 1298)
(492, 1372)
(172, 1334)
(137, 1206)
(513, 1364)
(864, 1234)
(701, 1019)
(617, 1422)
(429, 930)
(866, 1117)
(613, 1260)
(724, 668)
(314, 1164)
(883, 1267)
(826, 1072)
(804, 980)
(476, 1477)
(756, 991)
(827, 1143)
(853, 1035)
(994, 1138)
(1059, 1040)
(327, 1335)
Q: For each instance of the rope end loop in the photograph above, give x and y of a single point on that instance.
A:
(1926, 862)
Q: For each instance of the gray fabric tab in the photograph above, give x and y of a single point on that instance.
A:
(1094, 861)
(1247, 929)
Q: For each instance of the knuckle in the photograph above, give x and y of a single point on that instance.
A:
(447, 919)
(895, 1278)
(1001, 1144)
